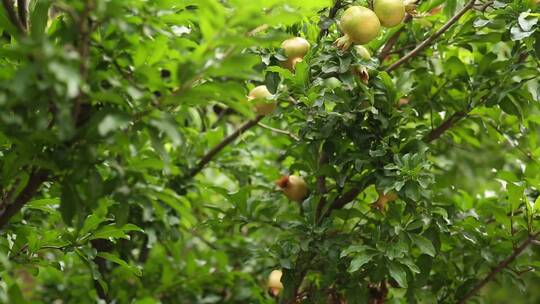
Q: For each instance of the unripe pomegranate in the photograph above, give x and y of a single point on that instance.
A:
(362, 52)
(259, 94)
(384, 199)
(294, 187)
(403, 102)
(296, 47)
(389, 12)
(332, 83)
(360, 25)
(274, 282)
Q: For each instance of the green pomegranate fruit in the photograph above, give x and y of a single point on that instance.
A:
(296, 47)
(384, 199)
(362, 52)
(360, 25)
(332, 83)
(389, 12)
(294, 187)
(262, 106)
(274, 282)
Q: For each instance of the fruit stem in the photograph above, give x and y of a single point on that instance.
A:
(343, 43)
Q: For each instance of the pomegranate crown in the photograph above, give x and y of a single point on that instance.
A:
(283, 182)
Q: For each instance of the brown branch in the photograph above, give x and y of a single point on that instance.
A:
(502, 265)
(34, 182)
(23, 15)
(321, 183)
(331, 15)
(432, 38)
(484, 7)
(348, 196)
(447, 124)
(225, 142)
(12, 15)
(393, 40)
(101, 246)
(280, 131)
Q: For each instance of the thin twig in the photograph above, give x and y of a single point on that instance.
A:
(12, 15)
(433, 37)
(294, 137)
(502, 265)
(321, 182)
(484, 6)
(393, 40)
(447, 124)
(331, 15)
(348, 196)
(225, 142)
(510, 140)
(23, 15)
(34, 182)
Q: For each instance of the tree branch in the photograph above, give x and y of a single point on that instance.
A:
(432, 38)
(34, 182)
(21, 7)
(12, 15)
(321, 183)
(225, 142)
(331, 15)
(393, 40)
(502, 265)
(292, 136)
(447, 124)
(348, 196)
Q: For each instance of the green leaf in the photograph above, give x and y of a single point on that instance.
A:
(360, 260)
(515, 194)
(537, 204)
(398, 273)
(389, 86)
(410, 264)
(39, 15)
(69, 200)
(352, 249)
(455, 68)
(91, 223)
(111, 123)
(46, 205)
(113, 258)
(112, 232)
(423, 243)
(6, 24)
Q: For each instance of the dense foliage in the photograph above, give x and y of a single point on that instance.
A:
(134, 169)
